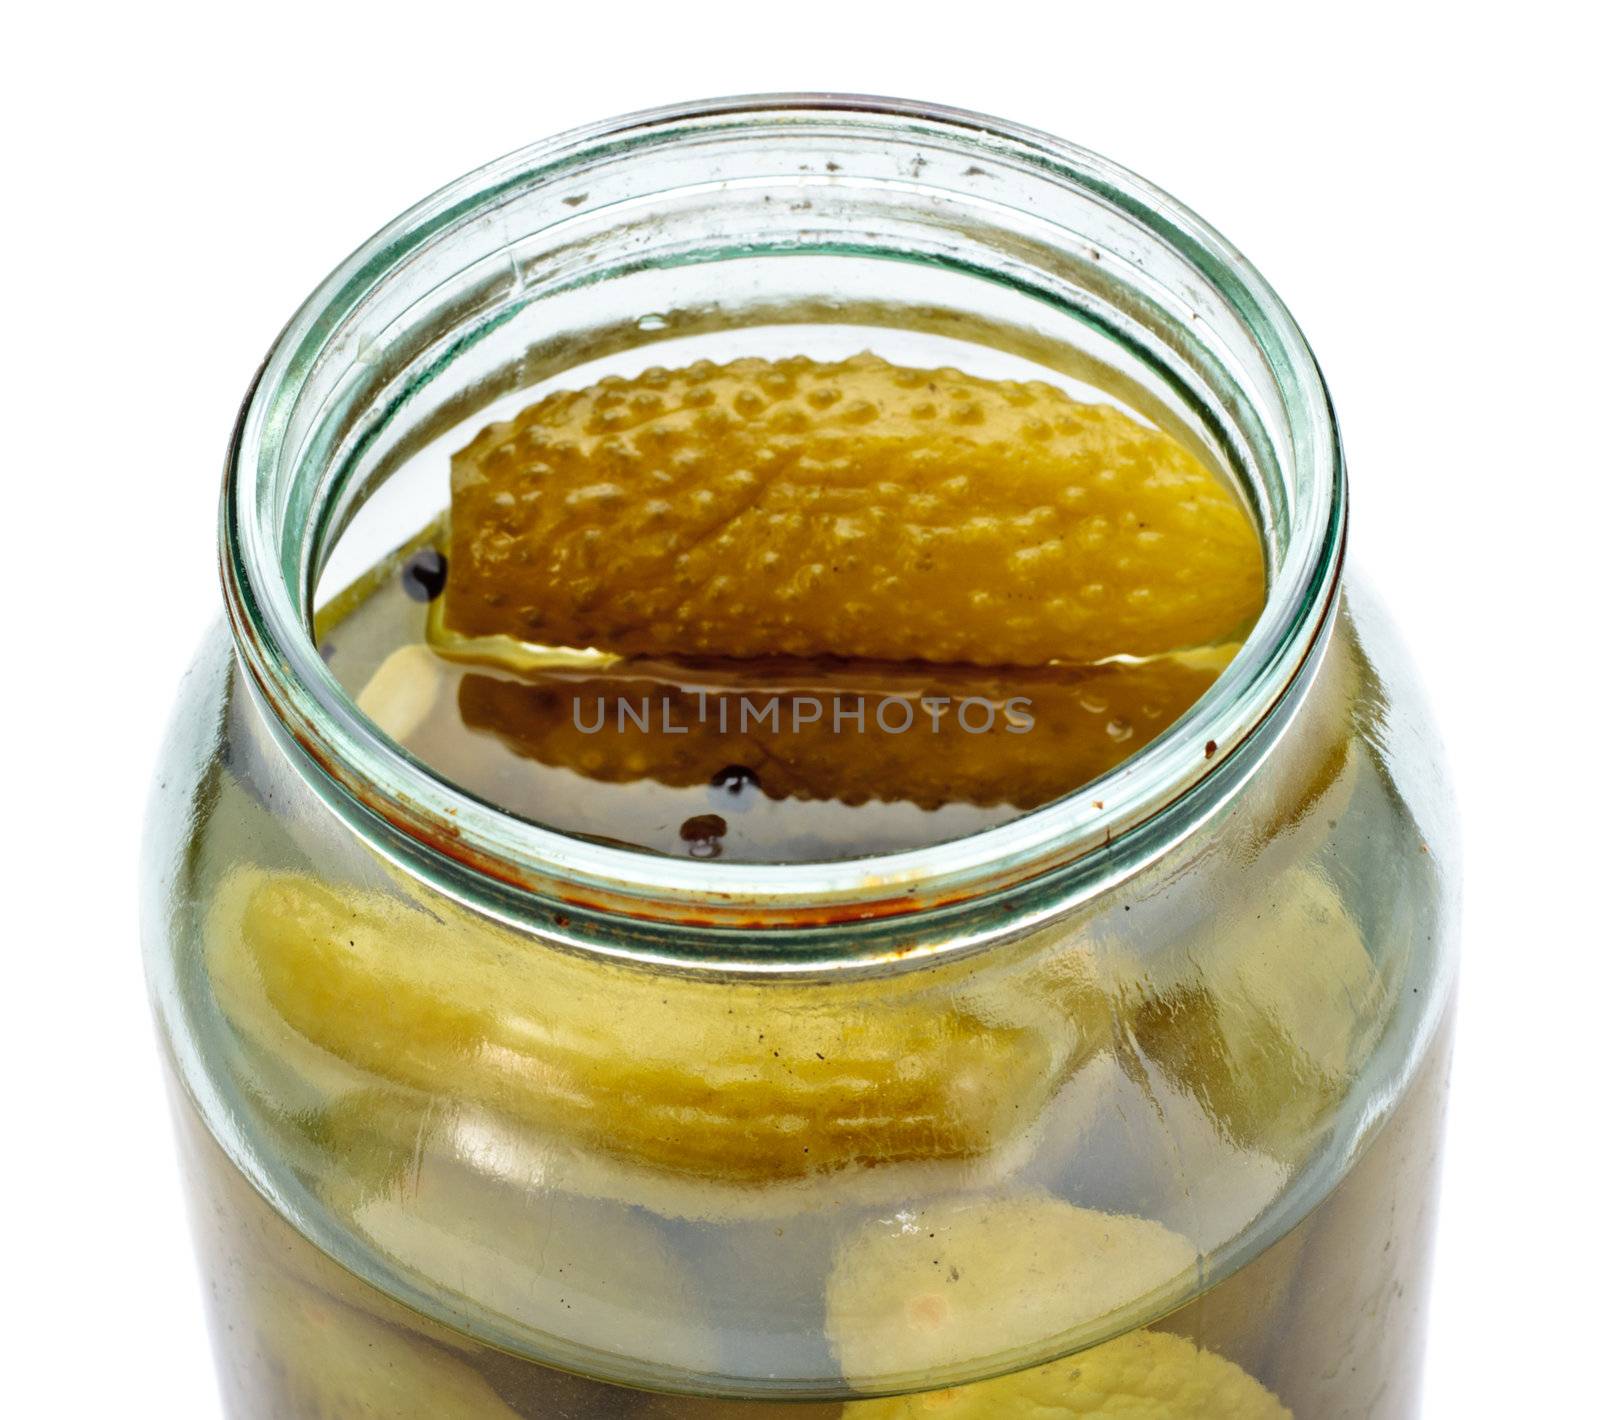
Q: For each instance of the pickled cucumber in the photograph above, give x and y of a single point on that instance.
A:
(853, 509)
(960, 1282)
(323, 1360)
(1266, 1020)
(735, 1082)
(932, 1288)
(591, 1274)
(1145, 1375)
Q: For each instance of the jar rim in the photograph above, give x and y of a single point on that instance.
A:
(901, 905)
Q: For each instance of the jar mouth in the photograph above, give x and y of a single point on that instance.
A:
(906, 904)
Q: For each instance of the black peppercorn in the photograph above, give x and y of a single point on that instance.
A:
(735, 787)
(423, 576)
(704, 834)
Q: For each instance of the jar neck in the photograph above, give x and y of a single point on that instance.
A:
(937, 191)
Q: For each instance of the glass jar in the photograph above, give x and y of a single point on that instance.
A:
(481, 1120)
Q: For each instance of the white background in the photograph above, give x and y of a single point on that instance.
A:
(1414, 180)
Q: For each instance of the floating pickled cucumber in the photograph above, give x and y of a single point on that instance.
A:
(591, 1274)
(738, 1082)
(402, 692)
(963, 1282)
(948, 1284)
(1145, 1375)
(852, 508)
(928, 736)
(319, 1359)
(1266, 1019)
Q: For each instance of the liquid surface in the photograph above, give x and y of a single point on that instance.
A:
(790, 611)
